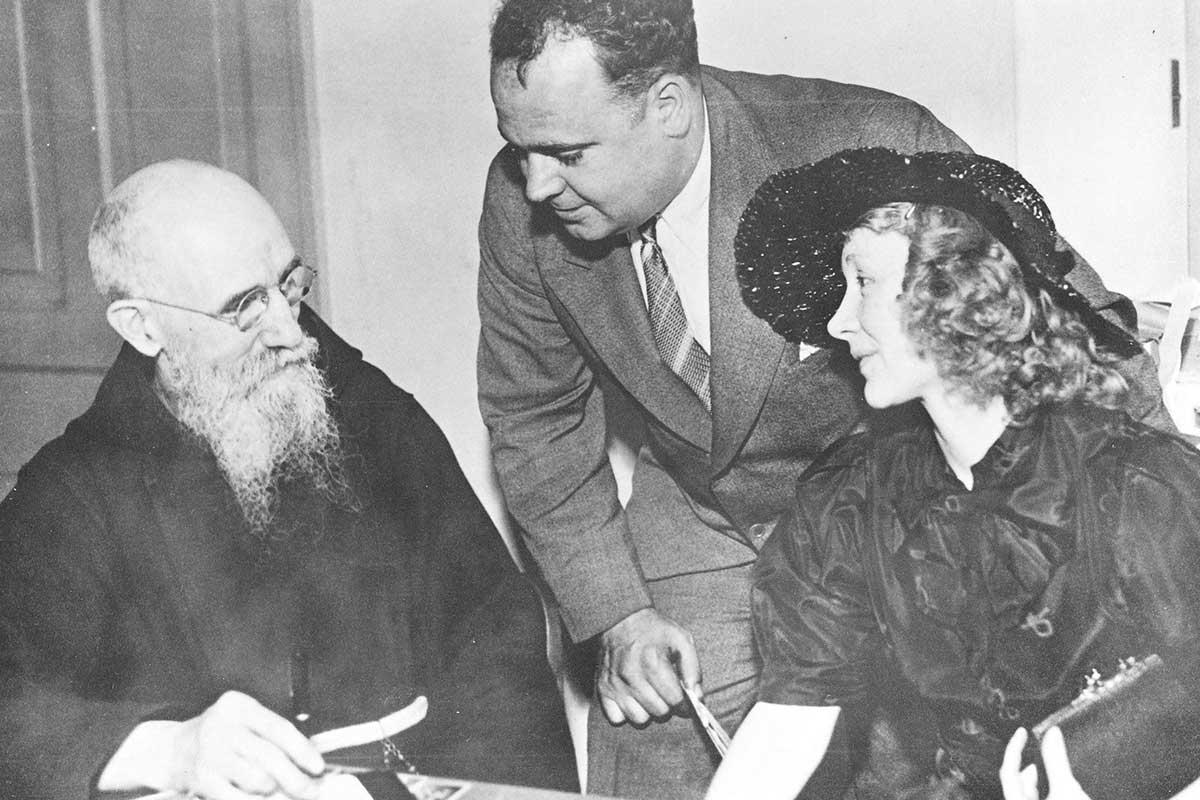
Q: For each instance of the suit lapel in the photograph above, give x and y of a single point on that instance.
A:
(746, 351)
(596, 284)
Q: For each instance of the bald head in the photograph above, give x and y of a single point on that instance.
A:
(173, 218)
(181, 247)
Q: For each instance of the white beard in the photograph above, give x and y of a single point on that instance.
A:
(265, 419)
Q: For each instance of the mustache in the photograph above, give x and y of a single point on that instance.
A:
(254, 372)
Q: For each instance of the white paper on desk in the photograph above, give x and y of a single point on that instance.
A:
(342, 787)
(424, 787)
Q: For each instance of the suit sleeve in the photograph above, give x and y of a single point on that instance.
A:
(813, 623)
(909, 127)
(545, 414)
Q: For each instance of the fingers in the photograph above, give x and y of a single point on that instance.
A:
(688, 664)
(1029, 782)
(643, 659)
(1021, 784)
(627, 687)
(283, 737)
(238, 748)
(612, 709)
(245, 776)
(227, 791)
(1012, 752)
(1012, 779)
(1058, 767)
(269, 769)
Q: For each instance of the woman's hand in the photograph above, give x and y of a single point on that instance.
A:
(1021, 784)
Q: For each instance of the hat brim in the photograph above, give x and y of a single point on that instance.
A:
(789, 242)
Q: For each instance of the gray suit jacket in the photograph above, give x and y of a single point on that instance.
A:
(558, 315)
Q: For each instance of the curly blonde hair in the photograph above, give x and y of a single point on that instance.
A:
(966, 307)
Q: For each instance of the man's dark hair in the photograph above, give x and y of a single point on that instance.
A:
(636, 41)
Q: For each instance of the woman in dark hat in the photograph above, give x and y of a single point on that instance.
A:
(985, 553)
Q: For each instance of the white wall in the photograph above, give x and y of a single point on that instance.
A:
(954, 57)
(1095, 135)
(404, 132)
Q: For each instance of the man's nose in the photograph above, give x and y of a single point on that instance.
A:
(542, 179)
(280, 324)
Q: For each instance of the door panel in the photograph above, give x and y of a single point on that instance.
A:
(49, 315)
(90, 92)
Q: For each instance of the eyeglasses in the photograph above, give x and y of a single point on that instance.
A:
(294, 287)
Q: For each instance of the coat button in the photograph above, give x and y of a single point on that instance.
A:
(758, 533)
(970, 727)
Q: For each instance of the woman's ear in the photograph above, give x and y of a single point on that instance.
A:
(129, 318)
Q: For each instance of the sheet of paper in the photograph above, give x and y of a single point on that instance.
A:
(342, 787)
(425, 788)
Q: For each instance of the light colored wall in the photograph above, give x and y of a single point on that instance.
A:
(404, 134)
(404, 131)
(954, 57)
(1095, 133)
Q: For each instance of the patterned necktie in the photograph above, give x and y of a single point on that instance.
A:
(682, 353)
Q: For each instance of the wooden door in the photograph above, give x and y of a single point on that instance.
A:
(90, 92)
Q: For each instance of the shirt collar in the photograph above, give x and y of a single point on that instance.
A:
(1024, 477)
(690, 206)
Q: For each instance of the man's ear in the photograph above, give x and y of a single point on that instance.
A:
(671, 100)
(130, 320)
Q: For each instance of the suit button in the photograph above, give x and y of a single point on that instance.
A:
(758, 533)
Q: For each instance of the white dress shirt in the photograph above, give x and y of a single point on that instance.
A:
(682, 234)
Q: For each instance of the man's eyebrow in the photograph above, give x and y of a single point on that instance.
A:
(552, 148)
(231, 304)
(287, 269)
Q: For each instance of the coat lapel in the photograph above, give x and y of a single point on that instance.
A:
(596, 284)
(746, 351)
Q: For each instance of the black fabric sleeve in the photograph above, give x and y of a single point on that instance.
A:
(813, 621)
(495, 711)
(1157, 543)
(59, 728)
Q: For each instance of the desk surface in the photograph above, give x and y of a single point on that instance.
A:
(488, 791)
(492, 791)
(474, 791)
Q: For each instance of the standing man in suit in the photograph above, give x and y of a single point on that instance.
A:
(607, 253)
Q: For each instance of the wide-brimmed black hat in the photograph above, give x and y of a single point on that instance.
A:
(789, 240)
